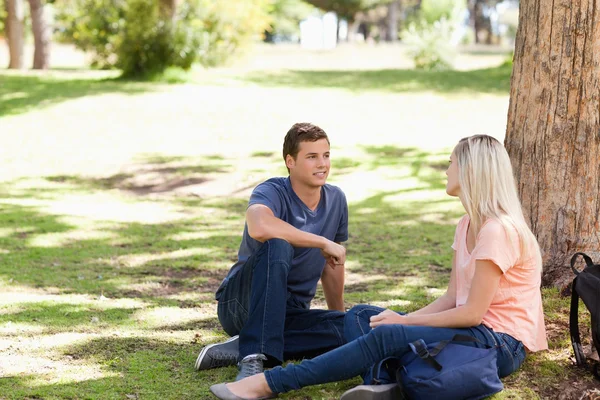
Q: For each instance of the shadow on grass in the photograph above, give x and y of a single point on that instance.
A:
(155, 174)
(134, 368)
(489, 80)
(146, 261)
(198, 324)
(21, 93)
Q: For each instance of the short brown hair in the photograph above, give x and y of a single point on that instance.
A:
(298, 133)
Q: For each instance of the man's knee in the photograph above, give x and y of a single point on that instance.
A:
(279, 250)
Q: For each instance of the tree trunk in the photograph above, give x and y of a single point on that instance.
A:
(392, 24)
(168, 9)
(14, 30)
(553, 130)
(41, 35)
(478, 19)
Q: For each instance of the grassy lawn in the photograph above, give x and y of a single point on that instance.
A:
(121, 209)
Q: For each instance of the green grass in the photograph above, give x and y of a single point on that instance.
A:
(112, 244)
(488, 80)
(20, 94)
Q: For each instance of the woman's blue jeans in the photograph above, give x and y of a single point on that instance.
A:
(367, 346)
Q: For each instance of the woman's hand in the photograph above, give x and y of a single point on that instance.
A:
(386, 317)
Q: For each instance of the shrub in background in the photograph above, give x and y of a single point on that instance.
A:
(432, 37)
(429, 46)
(229, 26)
(132, 34)
(93, 26)
(150, 43)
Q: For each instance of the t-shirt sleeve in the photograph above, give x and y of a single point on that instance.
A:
(496, 244)
(267, 194)
(460, 230)
(342, 232)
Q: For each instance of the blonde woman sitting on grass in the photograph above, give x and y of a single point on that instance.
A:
(493, 294)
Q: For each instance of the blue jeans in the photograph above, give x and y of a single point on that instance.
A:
(255, 304)
(366, 347)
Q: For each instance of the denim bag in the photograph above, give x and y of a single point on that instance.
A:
(449, 370)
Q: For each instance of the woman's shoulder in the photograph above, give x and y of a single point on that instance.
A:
(464, 220)
(493, 228)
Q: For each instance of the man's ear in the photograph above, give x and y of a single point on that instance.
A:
(289, 161)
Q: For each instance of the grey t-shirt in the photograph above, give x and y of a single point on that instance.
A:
(329, 219)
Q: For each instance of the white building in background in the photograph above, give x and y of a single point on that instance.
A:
(319, 33)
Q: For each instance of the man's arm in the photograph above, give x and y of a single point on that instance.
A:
(264, 225)
(332, 280)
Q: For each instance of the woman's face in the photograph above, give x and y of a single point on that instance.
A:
(452, 186)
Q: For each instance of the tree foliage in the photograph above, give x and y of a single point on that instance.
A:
(135, 36)
(286, 16)
(430, 37)
(2, 16)
(229, 26)
(346, 9)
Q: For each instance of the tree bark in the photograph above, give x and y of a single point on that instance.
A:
(553, 130)
(14, 30)
(41, 35)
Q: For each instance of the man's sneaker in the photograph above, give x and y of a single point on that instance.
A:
(217, 355)
(251, 365)
(374, 392)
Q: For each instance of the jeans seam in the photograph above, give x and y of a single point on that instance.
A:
(340, 338)
(262, 332)
(358, 317)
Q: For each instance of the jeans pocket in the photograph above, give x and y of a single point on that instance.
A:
(516, 349)
(519, 355)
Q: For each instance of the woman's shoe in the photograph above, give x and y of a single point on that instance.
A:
(223, 393)
(374, 392)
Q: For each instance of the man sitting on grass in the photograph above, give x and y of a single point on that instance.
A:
(291, 240)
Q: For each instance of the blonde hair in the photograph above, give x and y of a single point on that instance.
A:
(488, 189)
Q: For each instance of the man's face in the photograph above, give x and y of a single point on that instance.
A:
(311, 166)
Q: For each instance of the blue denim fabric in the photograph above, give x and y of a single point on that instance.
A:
(365, 347)
(256, 304)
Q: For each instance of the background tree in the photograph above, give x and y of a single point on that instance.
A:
(14, 32)
(41, 34)
(285, 18)
(553, 131)
(346, 9)
(392, 22)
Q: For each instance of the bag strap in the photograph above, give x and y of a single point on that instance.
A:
(391, 364)
(420, 349)
(457, 338)
(587, 259)
(574, 322)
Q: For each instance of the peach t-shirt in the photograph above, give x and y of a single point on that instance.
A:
(516, 308)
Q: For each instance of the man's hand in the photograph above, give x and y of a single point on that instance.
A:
(386, 317)
(334, 253)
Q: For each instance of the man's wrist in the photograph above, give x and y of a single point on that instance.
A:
(322, 242)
